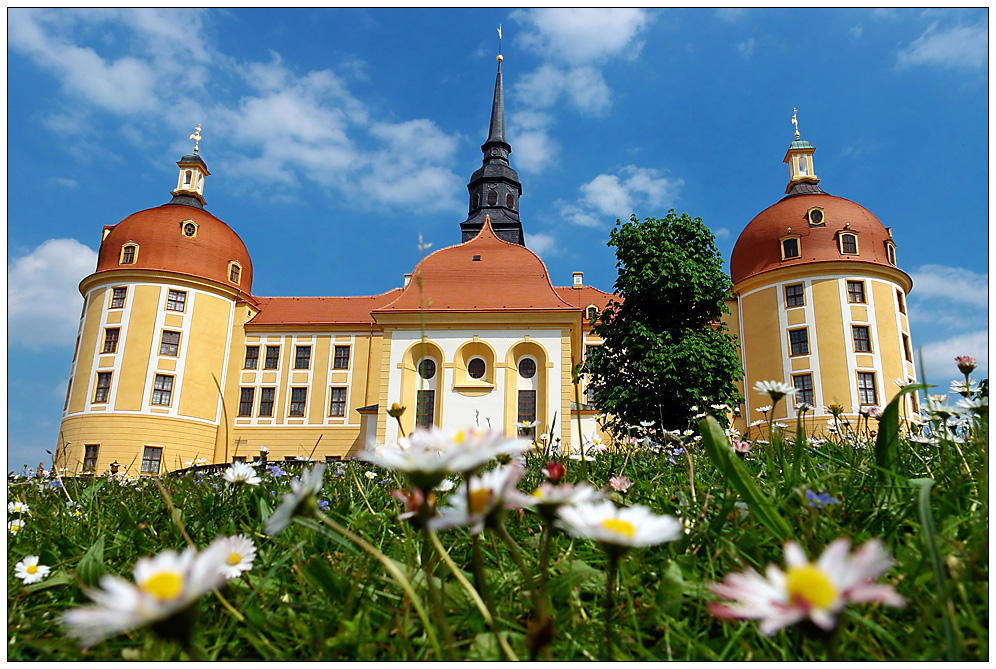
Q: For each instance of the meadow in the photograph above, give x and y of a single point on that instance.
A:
(704, 546)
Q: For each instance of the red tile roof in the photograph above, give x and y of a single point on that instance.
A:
(314, 311)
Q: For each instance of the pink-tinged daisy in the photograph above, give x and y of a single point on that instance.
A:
(741, 445)
(238, 552)
(966, 364)
(29, 571)
(815, 590)
(490, 492)
(620, 484)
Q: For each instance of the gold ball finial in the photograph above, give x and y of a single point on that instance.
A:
(500, 58)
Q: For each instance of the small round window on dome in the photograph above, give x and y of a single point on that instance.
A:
(188, 228)
(527, 368)
(816, 218)
(427, 368)
(476, 368)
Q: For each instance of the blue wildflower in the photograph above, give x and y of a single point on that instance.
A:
(275, 470)
(323, 504)
(821, 500)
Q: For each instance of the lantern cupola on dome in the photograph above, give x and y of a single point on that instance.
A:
(190, 184)
(802, 176)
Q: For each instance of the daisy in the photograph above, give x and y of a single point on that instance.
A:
(774, 389)
(15, 526)
(620, 484)
(241, 472)
(966, 364)
(238, 551)
(300, 501)
(615, 529)
(17, 507)
(547, 498)
(165, 585)
(29, 571)
(490, 492)
(815, 590)
(741, 446)
(370, 475)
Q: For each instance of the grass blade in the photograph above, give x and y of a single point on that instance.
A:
(930, 539)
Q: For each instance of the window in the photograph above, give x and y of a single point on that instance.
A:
(790, 248)
(103, 390)
(914, 402)
(866, 388)
(425, 405)
(804, 389)
(427, 368)
(799, 341)
(176, 300)
(302, 357)
(890, 251)
(337, 403)
(272, 357)
(856, 292)
(333, 458)
(907, 349)
(527, 368)
(862, 341)
(162, 389)
(848, 244)
(151, 458)
(476, 368)
(170, 344)
(233, 272)
(118, 298)
(238, 458)
(246, 401)
(492, 197)
(341, 359)
(111, 340)
(527, 406)
(816, 219)
(128, 252)
(795, 295)
(591, 313)
(266, 401)
(901, 300)
(252, 357)
(299, 397)
(90, 457)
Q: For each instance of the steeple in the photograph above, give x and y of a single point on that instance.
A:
(802, 176)
(190, 184)
(495, 189)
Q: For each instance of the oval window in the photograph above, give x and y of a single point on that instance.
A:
(493, 197)
(476, 368)
(427, 369)
(474, 201)
(527, 368)
(510, 201)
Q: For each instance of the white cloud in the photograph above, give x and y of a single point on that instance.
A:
(534, 148)
(721, 233)
(856, 32)
(746, 47)
(542, 244)
(66, 183)
(959, 46)
(950, 284)
(43, 298)
(608, 197)
(581, 36)
(938, 357)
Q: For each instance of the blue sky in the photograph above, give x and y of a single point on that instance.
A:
(336, 137)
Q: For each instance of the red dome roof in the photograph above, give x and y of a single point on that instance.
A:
(758, 249)
(162, 245)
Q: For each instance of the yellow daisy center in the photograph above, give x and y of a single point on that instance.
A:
(459, 437)
(809, 586)
(234, 558)
(32, 569)
(164, 585)
(479, 500)
(15, 527)
(623, 527)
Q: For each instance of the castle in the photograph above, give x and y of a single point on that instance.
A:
(176, 359)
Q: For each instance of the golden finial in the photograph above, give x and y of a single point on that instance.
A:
(499, 46)
(795, 121)
(196, 137)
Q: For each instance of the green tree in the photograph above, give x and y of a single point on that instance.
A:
(665, 347)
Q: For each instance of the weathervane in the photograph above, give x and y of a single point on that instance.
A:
(795, 122)
(499, 46)
(196, 137)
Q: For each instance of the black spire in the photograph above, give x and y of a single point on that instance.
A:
(495, 188)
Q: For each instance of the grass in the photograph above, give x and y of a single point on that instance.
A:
(314, 593)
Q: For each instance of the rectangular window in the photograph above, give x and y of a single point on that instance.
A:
(790, 249)
(862, 341)
(799, 341)
(151, 458)
(804, 389)
(170, 344)
(302, 357)
(866, 388)
(272, 359)
(527, 406)
(333, 458)
(238, 458)
(233, 273)
(246, 401)
(252, 357)
(90, 457)
(111, 340)
(176, 300)
(118, 298)
(907, 349)
(128, 255)
(103, 390)
(856, 292)
(162, 390)
(299, 397)
(913, 399)
(425, 408)
(341, 360)
(337, 405)
(848, 244)
(795, 295)
(901, 301)
(266, 396)
(891, 251)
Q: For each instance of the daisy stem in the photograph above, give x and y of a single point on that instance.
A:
(429, 567)
(610, 604)
(516, 552)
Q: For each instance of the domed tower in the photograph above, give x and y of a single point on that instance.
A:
(155, 340)
(821, 302)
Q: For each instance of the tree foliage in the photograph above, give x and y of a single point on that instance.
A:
(665, 347)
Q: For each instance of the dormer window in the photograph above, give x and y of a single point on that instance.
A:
(475, 201)
(129, 253)
(492, 197)
(790, 247)
(816, 218)
(848, 243)
(591, 312)
(890, 252)
(234, 272)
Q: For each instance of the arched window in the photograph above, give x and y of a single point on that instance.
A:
(591, 312)
(492, 197)
(187, 174)
(510, 201)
